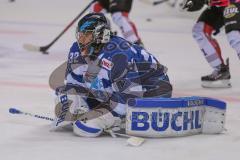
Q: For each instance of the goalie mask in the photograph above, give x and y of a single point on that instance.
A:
(92, 31)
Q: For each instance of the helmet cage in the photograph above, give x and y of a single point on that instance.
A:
(98, 25)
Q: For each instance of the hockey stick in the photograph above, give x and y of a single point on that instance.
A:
(159, 2)
(132, 140)
(44, 49)
(154, 3)
(16, 111)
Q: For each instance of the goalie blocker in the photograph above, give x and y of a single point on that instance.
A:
(172, 117)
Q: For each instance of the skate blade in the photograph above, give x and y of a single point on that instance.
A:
(216, 84)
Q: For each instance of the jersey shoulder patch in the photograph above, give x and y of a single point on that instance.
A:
(107, 64)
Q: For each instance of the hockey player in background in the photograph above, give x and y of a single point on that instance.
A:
(119, 10)
(219, 13)
(103, 72)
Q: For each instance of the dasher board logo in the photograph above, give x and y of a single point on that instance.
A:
(107, 64)
(230, 11)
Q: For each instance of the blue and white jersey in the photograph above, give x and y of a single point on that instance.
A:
(121, 71)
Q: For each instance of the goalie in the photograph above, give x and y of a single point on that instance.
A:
(103, 72)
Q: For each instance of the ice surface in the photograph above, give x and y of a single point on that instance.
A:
(24, 84)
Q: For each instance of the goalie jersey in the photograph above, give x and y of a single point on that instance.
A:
(121, 71)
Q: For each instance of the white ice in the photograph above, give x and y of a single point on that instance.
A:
(24, 84)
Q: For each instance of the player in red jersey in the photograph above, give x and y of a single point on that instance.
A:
(219, 13)
(119, 10)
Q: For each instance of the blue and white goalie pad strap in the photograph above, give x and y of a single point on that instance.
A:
(172, 117)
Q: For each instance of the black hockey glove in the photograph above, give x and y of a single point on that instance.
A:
(193, 5)
(216, 32)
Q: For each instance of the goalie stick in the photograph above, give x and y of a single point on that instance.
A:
(44, 49)
(132, 140)
(16, 111)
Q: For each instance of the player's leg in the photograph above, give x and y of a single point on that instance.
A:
(232, 26)
(100, 6)
(120, 15)
(210, 21)
(103, 7)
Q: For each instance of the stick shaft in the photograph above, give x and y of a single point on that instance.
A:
(132, 140)
(16, 111)
(154, 2)
(159, 2)
(45, 48)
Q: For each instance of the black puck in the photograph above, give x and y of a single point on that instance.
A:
(148, 19)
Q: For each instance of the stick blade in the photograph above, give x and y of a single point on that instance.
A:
(31, 47)
(135, 141)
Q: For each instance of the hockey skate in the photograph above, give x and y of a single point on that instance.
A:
(219, 78)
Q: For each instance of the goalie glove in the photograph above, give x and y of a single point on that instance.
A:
(68, 108)
(193, 5)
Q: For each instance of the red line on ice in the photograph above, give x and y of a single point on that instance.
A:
(176, 93)
(13, 32)
(20, 84)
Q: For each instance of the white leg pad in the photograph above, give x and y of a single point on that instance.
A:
(93, 127)
(88, 129)
(213, 120)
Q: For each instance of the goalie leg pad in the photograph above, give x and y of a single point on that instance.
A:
(213, 121)
(172, 117)
(86, 129)
(93, 123)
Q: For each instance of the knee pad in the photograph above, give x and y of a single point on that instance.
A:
(234, 40)
(93, 123)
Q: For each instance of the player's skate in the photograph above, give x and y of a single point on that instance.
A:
(219, 78)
